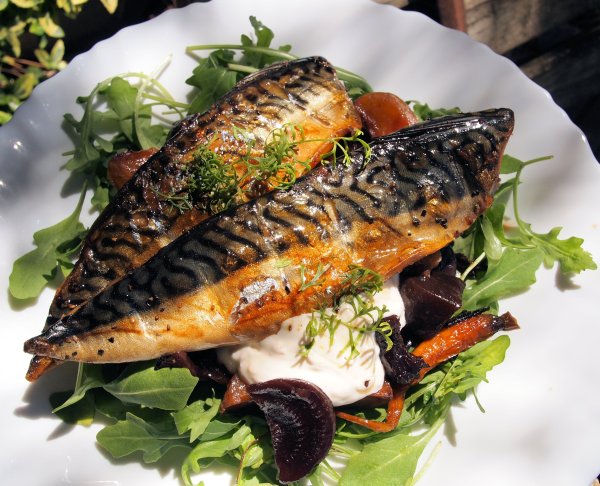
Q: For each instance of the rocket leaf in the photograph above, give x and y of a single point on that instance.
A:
(569, 254)
(89, 376)
(392, 460)
(512, 273)
(165, 389)
(35, 269)
(133, 434)
(196, 417)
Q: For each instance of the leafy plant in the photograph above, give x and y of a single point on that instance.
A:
(39, 19)
(513, 251)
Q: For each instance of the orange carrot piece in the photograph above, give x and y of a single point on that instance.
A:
(236, 395)
(445, 345)
(455, 339)
(384, 113)
(394, 410)
(122, 166)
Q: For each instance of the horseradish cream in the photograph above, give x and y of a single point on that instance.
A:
(327, 365)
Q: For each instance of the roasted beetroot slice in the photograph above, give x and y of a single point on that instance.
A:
(302, 424)
(401, 367)
(429, 302)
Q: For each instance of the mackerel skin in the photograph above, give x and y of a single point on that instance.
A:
(230, 279)
(139, 221)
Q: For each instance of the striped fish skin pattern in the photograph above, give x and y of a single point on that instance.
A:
(140, 221)
(222, 282)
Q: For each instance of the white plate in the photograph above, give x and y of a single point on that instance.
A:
(542, 424)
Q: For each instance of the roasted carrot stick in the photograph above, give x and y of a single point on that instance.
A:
(394, 410)
(455, 339)
(448, 343)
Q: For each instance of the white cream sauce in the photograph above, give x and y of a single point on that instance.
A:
(327, 365)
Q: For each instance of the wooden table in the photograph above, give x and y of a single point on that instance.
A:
(555, 42)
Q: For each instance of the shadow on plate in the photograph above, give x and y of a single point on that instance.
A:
(564, 282)
(36, 395)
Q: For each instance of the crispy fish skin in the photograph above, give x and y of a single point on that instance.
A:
(139, 221)
(221, 283)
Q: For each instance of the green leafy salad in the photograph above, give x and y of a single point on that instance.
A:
(150, 412)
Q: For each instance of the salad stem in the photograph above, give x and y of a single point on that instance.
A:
(240, 68)
(343, 74)
(238, 47)
(470, 268)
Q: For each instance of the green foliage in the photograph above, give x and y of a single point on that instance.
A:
(217, 73)
(41, 18)
(125, 124)
(513, 272)
(89, 377)
(164, 389)
(392, 458)
(153, 427)
(514, 253)
(424, 112)
(153, 438)
(55, 247)
(196, 417)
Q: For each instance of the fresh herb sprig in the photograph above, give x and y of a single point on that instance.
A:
(358, 288)
(214, 183)
(315, 280)
(360, 280)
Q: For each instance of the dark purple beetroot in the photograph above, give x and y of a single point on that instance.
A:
(448, 262)
(202, 364)
(429, 302)
(401, 367)
(423, 266)
(431, 293)
(302, 424)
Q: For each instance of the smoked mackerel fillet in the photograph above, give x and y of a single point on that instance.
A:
(304, 93)
(224, 282)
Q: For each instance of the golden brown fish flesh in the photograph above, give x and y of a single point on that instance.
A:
(304, 94)
(222, 282)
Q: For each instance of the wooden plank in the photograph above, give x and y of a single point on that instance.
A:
(395, 3)
(452, 14)
(506, 24)
(570, 71)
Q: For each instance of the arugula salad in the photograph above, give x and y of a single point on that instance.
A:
(151, 412)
